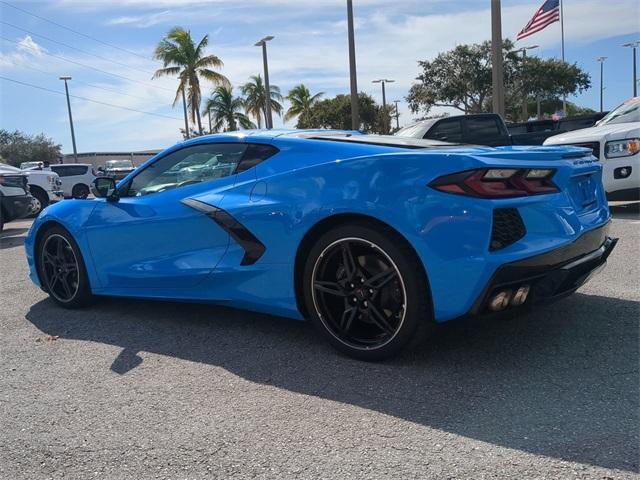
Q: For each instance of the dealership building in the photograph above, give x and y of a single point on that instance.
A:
(99, 158)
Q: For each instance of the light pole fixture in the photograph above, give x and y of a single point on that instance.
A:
(73, 134)
(525, 95)
(634, 46)
(601, 60)
(355, 107)
(383, 81)
(267, 91)
(497, 69)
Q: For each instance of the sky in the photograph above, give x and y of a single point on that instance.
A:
(310, 46)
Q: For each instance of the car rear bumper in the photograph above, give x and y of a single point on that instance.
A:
(551, 275)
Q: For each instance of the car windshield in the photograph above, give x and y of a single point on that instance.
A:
(628, 112)
(416, 130)
(119, 164)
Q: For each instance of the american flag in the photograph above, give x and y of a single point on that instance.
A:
(548, 13)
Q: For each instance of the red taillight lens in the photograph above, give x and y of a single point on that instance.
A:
(498, 182)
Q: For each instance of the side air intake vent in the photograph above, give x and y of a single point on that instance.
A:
(507, 228)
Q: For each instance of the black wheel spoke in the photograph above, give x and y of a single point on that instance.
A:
(379, 280)
(347, 319)
(332, 288)
(349, 261)
(380, 319)
(59, 268)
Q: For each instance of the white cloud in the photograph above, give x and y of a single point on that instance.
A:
(27, 44)
(142, 21)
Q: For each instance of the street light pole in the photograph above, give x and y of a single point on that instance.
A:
(634, 46)
(355, 107)
(497, 71)
(73, 134)
(267, 90)
(525, 95)
(601, 61)
(397, 115)
(385, 127)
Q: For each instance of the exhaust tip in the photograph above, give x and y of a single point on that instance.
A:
(500, 301)
(520, 296)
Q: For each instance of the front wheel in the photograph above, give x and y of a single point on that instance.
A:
(62, 271)
(365, 292)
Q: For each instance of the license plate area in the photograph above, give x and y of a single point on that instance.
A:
(583, 192)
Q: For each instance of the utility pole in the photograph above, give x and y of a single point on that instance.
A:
(525, 94)
(497, 71)
(209, 117)
(355, 108)
(601, 61)
(397, 115)
(385, 127)
(634, 46)
(186, 118)
(73, 135)
(267, 90)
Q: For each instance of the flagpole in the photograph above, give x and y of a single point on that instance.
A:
(564, 99)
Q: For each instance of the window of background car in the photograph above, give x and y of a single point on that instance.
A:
(482, 127)
(199, 163)
(69, 170)
(448, 130)
(626, 113)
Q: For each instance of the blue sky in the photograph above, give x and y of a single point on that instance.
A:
(310, 47)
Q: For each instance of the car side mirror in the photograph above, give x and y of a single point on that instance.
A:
(101, 169)
(105, 187)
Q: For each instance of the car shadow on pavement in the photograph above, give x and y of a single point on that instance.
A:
(561, 381)
(12, 237)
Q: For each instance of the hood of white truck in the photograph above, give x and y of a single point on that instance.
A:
(617, 131)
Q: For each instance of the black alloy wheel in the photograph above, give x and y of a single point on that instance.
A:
(61, 269)
(363, 292)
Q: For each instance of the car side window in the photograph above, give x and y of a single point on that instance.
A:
(62, 171)
(195, 164)
(447, 130)
(482, 127)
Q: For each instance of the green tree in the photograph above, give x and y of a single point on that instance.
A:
(461, 78)
(181, 57)
(17, 147)
(336, 113)
(301, 103)
(255, 98)
(226, 110)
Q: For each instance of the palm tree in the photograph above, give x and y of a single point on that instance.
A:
(301, 101)
(255, 99)
(180, 56)
(225, 110)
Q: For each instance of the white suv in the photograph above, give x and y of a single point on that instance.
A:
(615, 141)
(44, 186)
(76, 178)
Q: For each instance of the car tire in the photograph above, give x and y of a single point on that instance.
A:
(42, 200)
(62, 270)
(80, 191)
(372, 302)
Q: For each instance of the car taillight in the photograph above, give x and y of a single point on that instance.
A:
(498, 182)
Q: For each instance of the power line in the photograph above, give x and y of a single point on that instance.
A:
(74, 31)
(76, 80)
(93, 68)
(75, 48)
(87, 99)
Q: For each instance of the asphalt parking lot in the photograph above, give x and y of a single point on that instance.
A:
(138, 389)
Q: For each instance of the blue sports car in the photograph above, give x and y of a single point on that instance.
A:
(370, 237)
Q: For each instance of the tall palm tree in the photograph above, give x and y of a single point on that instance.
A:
(226, 110)
(255, 98)
(182, 57)
(301, 101)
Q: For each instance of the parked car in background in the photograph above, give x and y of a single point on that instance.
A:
(28, 165)
(116, 169)
(15, 200)
(76, 178)
(373, 238)
(615, 140)
(491, 130)
(44, 185)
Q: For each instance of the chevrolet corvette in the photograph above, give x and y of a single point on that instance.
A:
(372, 238)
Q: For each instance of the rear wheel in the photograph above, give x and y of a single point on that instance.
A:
(80, 191)
(62, 271)
(363, 291)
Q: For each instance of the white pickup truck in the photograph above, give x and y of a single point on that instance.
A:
(615, 141)
(44, 186)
